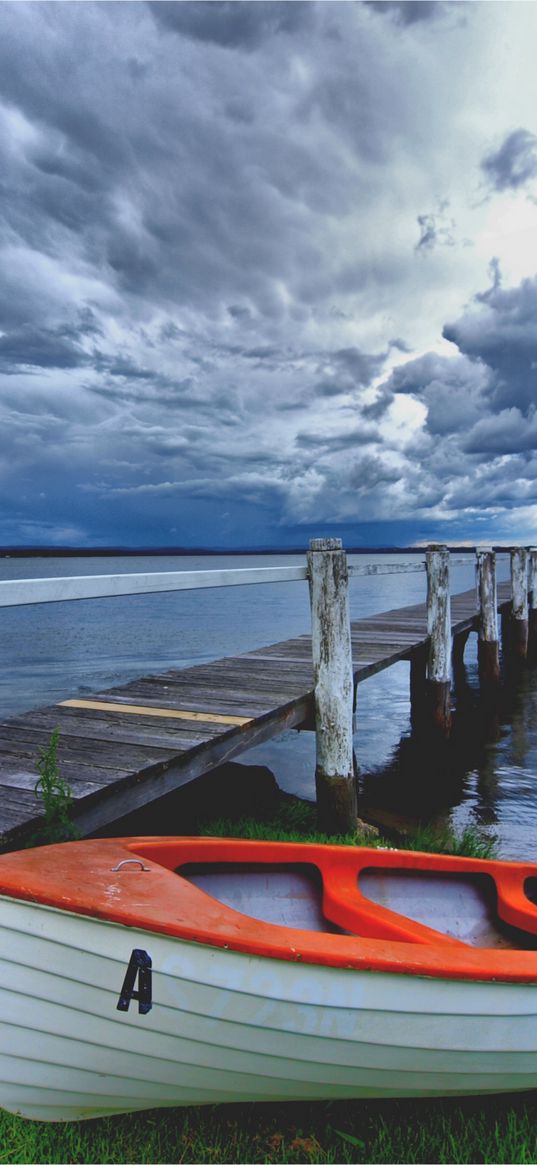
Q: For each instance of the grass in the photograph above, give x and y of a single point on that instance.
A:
(295, 820)
(497, 1129)
(470, 843)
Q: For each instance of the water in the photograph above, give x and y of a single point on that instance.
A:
(55, 651)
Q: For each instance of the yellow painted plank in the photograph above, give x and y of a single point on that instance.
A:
(169, 713)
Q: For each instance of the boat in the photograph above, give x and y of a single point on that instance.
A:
(148, 972)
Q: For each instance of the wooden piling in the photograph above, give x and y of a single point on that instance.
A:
(457, 652)
(517, 640)
(439, 632)
(532, 605)
(488, 643)
(332, 669)
(418, 689)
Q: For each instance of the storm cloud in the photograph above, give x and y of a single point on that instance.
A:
(500, 332)
(243, 279)
(229, 24)
(407, 11)
(514, 162)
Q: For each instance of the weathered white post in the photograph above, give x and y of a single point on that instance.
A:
(439, 632)
(332, 670)
(488, 649)
(532, 604)
(518, 623)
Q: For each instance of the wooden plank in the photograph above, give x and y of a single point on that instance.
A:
(127, 733)
(217, 684)
(29, 742)
(62, 718)
(77, 775)
(186, 768)
(20, 810)
(213, 697)
(270, 678)
(263, 675)
(17, 777)
(163, 713)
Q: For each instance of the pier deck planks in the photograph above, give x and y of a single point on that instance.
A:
(117, 760)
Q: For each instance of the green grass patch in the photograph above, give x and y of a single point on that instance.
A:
(295, 820)
(290, 820)
(494, 1129)
(470, 843)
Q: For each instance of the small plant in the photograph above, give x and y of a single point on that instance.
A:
(56, 796)
(296, 821)
(471, 843)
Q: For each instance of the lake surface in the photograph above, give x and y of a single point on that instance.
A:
(57, 650)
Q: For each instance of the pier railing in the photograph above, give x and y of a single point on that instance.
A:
(31, 591)
(327, 573)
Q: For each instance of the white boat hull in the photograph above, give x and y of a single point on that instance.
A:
(227, 1026)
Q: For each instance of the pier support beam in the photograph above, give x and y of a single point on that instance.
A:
(517, 625)
(532, 605)
(457, 651)
(418, 689)
(332, 668)
(439, 632)
(488, 647)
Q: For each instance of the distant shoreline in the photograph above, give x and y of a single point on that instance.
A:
(187, 551)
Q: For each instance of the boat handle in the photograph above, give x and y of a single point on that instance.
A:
(131, 862)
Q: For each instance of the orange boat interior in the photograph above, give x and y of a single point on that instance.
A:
(371, 909)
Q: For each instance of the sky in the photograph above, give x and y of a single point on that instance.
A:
(268, 272)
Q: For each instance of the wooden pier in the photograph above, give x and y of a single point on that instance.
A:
(123, 748)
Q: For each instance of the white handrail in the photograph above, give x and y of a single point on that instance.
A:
(22, 592)
(27, 592)
(386, 568)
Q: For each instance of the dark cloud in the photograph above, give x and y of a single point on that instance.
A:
(124, 380)
(237, 312)
(500, 330)
(514, 163)
(505, 432)
(35, 347)
(265, 355)
(348, 371)
(436, 230)
(453, 389)
(498, 482)
(231, 24)
(329, 388)
(407, 11)
(361, 367)
(355, 436)
(371, 471)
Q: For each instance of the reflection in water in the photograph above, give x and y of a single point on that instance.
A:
(487, 777)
